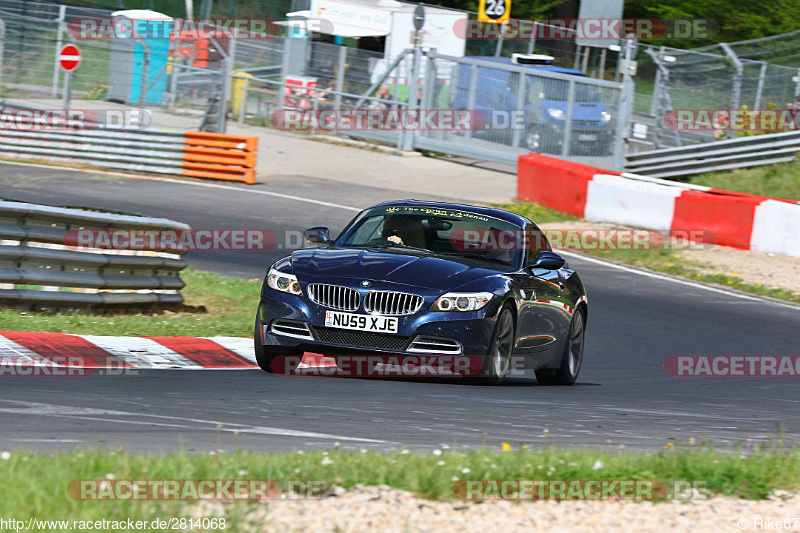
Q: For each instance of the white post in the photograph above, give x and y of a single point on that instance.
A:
(62, 15)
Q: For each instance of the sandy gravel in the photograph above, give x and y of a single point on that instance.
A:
(381, 509)
(775, 271)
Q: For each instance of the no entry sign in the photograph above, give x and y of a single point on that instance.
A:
(69, 58)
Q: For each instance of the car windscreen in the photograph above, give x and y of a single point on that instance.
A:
(552, 89)
(446, 232)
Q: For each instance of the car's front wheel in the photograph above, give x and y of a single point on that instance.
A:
(498, 361)
(264, 357)
(572, 357)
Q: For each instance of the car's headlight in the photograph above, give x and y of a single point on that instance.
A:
(605, 116)
(462, 301)
(281, 281)
(556, 113)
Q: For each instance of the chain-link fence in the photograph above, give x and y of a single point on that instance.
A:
(758, 74)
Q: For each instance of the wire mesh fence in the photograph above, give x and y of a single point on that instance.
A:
(757, 74)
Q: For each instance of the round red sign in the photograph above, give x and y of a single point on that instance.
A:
(69, 58)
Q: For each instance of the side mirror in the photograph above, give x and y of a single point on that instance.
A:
(548, 261)
(318, 235)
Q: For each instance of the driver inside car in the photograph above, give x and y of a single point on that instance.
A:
(404, 229)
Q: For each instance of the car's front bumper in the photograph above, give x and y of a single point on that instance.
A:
(472, 330)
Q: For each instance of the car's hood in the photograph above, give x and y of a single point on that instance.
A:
(328, 265)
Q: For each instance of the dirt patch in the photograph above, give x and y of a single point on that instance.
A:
(386, 510)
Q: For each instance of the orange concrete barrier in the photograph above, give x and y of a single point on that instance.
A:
(219, 156)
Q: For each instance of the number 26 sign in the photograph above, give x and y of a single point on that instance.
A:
(494, 11)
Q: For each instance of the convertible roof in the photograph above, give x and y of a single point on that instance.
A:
(487, 211)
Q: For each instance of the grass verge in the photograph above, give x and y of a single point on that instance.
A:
(36, 484)
(668, 261)
(778, 181)
(222, 306)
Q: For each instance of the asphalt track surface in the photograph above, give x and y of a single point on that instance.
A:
(623, 396)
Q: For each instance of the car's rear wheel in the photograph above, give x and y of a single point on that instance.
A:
(572, 357)
(498, 361)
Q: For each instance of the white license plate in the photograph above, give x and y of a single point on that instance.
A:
(587, 137)
(371, 323)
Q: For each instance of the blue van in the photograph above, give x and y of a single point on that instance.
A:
(544, 110)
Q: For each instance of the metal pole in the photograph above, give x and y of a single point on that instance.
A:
(532, 42)
(2, 45)
(337, 101)
(625, 110)
(499, 48)
(603, 52)
(567, 138)
(145, 67)
(760, 89)
(226, 85)
(284, 72)
(577, 56)
(62, 15)
(67, 89)
(473, 89)
(736, 88)
(797, 84)
(243, 102)
(413, 87)
(587, 52)
(516, 134)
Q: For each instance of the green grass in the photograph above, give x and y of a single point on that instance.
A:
(536, 212)
(36, 484)
(779, 181)
(222, 306)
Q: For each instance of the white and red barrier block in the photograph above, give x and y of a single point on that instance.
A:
(739, 220)
(20, 350)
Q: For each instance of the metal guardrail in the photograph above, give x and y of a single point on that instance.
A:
(720, 155)
(33, 254)
(193, 154)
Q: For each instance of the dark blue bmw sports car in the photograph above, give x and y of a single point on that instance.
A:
(445, 280)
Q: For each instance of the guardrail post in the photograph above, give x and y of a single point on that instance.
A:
(62, 16)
